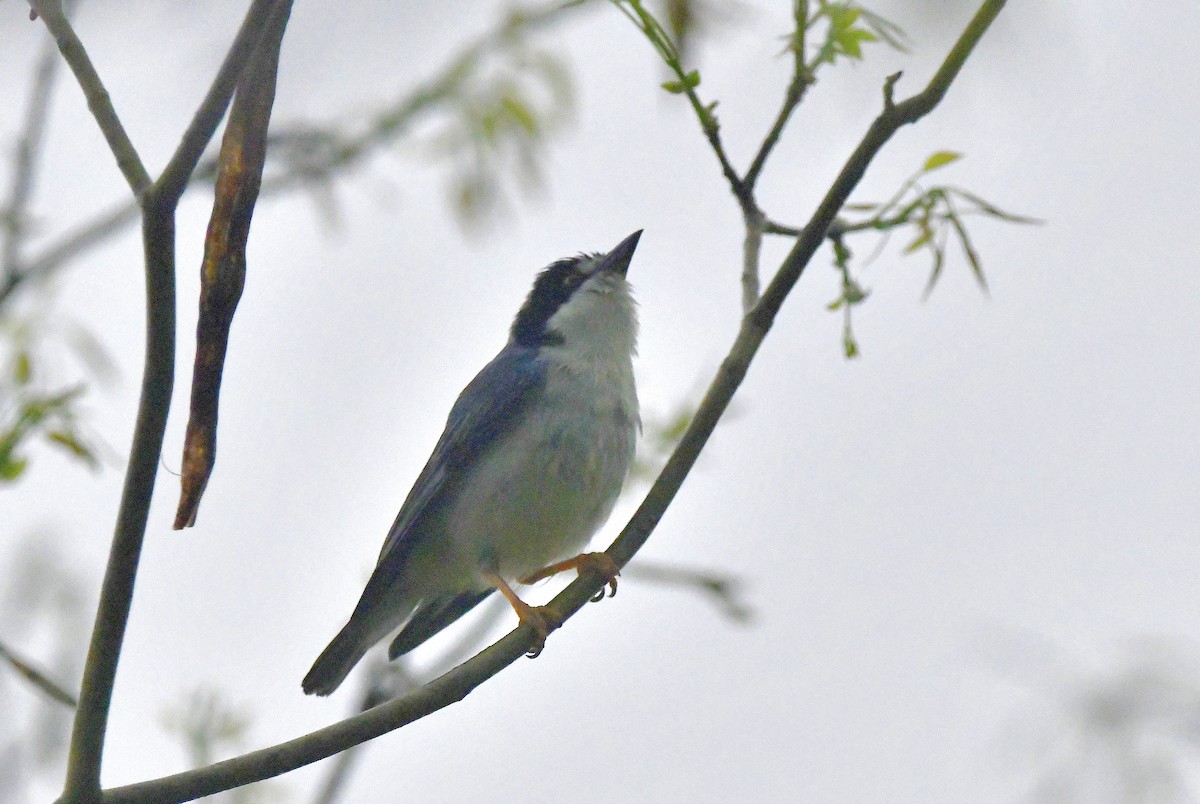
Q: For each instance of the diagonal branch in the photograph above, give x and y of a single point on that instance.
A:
(459, 682)
(37, 678)
(97, 96)
(264, 15)
(14, 213)
(802, 79)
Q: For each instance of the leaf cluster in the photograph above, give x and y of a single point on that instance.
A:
(847, 27)
(28, 411)
(935, 215)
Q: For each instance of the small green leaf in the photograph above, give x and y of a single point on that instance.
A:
(850, 42)
(674, 87)
(836, 304)
(860, 207)
(519, 112)
(939, 259)
(924, 237)
(969, 251)
(991, 209)
(849, 344)
(939, 159)
(12, 468)
(73, 445)
(22, 368)
(692, 79)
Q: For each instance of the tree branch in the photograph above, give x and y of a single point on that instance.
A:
(456, 684)
(37, 678)
(13, 214)
(894, 116)
(159, 202)
(97, 96)
(802, 79)
(263, 15)
(337, 152)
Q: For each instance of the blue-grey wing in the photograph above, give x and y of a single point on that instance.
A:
(490, 402)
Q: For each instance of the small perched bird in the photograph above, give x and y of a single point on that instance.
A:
(532, 460)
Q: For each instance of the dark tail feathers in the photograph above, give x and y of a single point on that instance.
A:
(335, 662)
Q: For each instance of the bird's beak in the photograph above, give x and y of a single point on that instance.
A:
(617, 260)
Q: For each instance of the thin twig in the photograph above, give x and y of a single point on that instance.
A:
(802, 79)
(51, 688)
(459, 682)
(29, 145)
(97, 96)
(74, 243)
(718, 587)
(262, 15)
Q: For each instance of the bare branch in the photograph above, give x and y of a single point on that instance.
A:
(37, 678)
(263, 15)
(12, 219)
(802, 79)
(720, 588)
(76, 242)
(98, 100)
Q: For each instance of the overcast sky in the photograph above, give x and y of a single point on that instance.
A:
(998, 488)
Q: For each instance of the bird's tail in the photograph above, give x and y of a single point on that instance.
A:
(337, 660)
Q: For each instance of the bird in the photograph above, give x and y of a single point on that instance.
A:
(534, 455)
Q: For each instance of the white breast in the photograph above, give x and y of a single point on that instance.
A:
(544, 489)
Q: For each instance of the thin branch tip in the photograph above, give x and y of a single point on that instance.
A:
(889, 89)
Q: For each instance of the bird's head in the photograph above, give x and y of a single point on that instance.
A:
(582, 305)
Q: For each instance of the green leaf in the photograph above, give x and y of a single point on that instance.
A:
(849, 344)
(939, 159)
(22, 368)
(939, 259)
(12, 468)
(969, 250)
(991, 209)
(692, 79)
(73, 445)
(924, 237)
(836, 304)
(850, 42)
(674, 87)
(519, 112)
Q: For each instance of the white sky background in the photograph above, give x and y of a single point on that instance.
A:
(989, 478)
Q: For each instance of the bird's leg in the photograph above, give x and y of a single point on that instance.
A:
(598, 563)
(540, 618)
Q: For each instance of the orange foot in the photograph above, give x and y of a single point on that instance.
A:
(598, 563)
(541, 619)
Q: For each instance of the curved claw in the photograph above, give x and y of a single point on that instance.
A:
(542, 620)
(610, 588)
